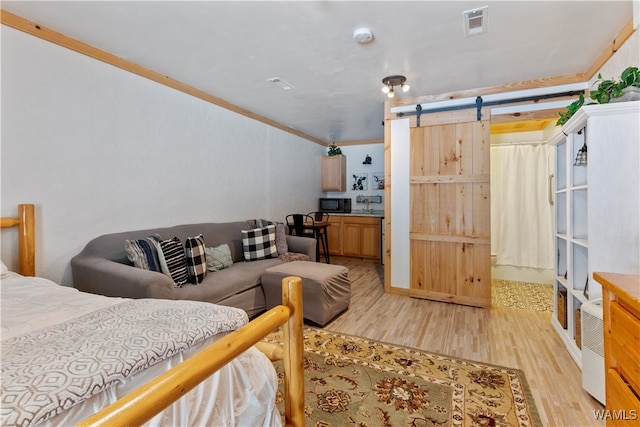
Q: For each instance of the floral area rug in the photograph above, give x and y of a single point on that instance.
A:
(354, 381)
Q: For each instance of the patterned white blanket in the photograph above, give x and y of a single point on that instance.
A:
(49, 370)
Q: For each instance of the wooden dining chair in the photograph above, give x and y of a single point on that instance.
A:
(320, 232)
(296, 225)
(320, 216)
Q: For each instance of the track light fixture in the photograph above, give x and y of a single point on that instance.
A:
(390, 81)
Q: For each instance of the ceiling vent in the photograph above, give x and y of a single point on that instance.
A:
(475, 21)
(284, 85)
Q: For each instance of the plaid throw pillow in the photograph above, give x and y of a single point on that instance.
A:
(173, 261)
(281, 233)
(194, 250)
(259, 243)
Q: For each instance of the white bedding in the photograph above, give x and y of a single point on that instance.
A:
(240, 394)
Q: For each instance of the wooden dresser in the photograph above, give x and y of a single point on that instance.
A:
(621, 305)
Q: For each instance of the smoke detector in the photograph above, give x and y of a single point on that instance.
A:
(475, 21)
(362, 35)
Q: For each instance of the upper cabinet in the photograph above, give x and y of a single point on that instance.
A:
(334, 173)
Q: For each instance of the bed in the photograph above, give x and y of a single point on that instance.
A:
(183, 362)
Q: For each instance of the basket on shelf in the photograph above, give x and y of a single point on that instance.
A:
(562, 308)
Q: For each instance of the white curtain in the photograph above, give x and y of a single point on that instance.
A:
(521, 216)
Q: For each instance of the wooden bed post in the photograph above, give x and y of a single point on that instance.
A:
(293, 353)
(26, 240)
(25, 221)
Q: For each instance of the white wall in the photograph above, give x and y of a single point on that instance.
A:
(627, 55)
(400, 164)
(101, 150)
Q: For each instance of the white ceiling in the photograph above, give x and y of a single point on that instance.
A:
(230, 48)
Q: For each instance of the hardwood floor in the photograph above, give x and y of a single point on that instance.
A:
(503, 336)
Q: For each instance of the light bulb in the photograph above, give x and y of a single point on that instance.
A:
(405, 87)
(385, 89)
(391, 94)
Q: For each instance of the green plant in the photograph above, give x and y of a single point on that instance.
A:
(631, 76)
(333, 150)
(571, 110)
(608, 89)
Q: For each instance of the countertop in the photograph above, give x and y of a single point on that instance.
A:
(625, 286)
(361, 212)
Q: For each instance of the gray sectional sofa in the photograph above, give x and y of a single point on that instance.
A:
(104, 268)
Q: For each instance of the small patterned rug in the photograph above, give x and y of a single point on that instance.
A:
(354, 381)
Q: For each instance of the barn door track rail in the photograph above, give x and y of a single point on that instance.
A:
(479, 104)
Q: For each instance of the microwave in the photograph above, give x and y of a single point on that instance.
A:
(334, 205)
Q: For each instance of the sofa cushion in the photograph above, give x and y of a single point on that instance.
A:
(173, 261)
(143, 253)
(259, 243)
(194, 251)
(218, 258)
(223, 284)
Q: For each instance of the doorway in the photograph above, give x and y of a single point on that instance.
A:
(412, 270)
(522, 165)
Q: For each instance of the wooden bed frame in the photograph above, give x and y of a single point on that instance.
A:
(25, 221)
(145, 402)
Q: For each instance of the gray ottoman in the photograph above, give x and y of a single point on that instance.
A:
(326, 288)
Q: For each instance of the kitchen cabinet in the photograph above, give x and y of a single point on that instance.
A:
(596, 208)
(334, 235)
(334, 173)
(355, 236)
(361, 237)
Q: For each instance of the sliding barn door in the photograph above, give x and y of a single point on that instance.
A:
(450, 210)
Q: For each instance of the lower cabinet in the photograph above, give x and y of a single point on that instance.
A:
(355, 236)
(334, 235)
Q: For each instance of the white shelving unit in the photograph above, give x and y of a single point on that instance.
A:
(597, 208)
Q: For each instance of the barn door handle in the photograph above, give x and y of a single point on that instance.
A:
(550, 190)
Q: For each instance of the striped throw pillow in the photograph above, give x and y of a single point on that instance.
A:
(173, 261)
(143, 253)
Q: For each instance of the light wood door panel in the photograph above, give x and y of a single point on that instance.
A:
(450, 212)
